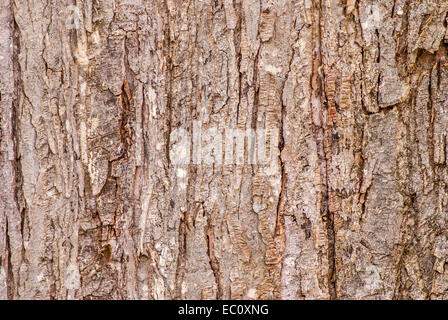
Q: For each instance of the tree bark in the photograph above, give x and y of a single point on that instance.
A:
(95, 205)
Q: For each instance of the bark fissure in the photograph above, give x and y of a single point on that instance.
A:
(95, 204)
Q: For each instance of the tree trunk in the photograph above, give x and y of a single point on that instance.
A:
(119, 179)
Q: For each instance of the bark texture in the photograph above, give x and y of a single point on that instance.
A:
(92, 205)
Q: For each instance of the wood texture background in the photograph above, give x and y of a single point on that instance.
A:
(92, 207)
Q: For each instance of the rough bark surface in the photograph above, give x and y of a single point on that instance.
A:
(93, 205)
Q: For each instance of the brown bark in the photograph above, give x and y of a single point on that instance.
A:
(94, 204)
